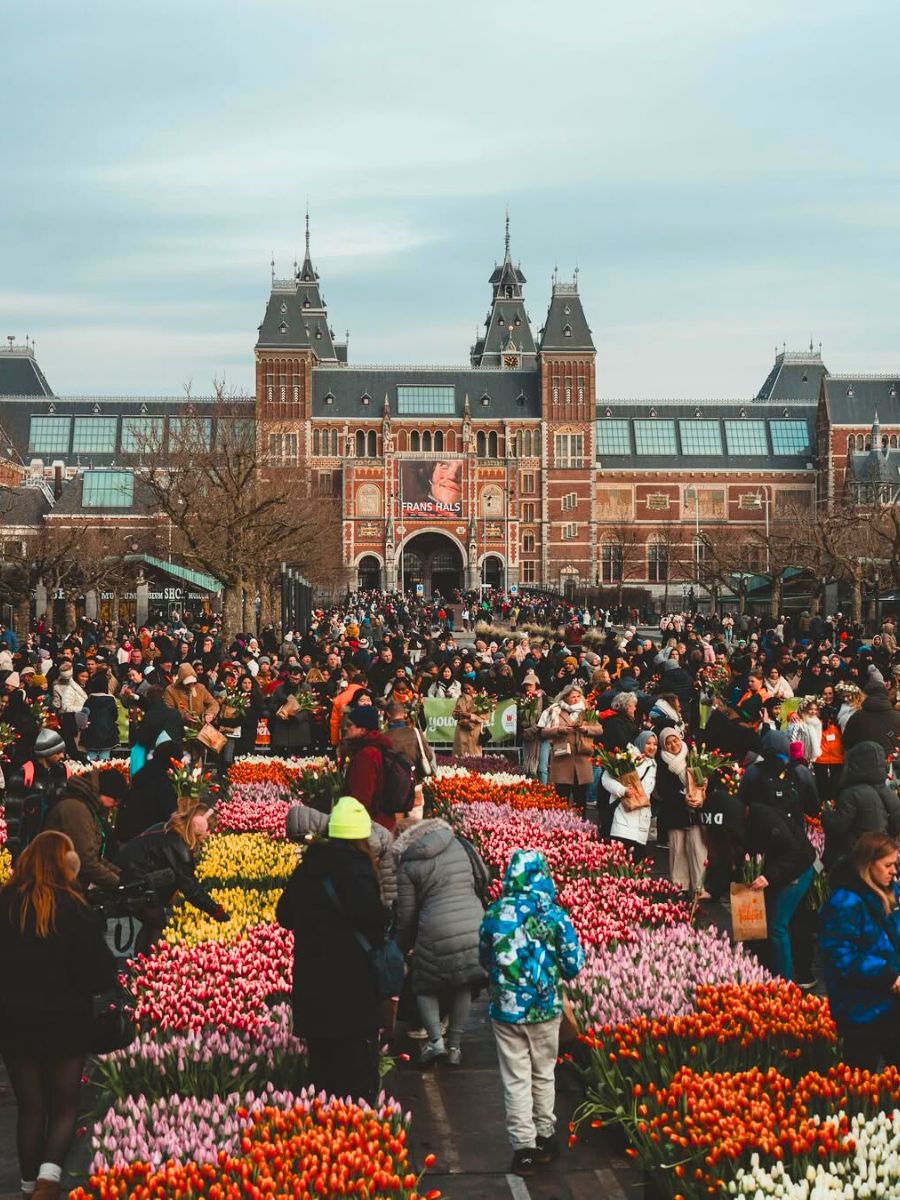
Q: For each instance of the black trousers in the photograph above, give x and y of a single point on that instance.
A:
(344, 1066)
(865, 1046)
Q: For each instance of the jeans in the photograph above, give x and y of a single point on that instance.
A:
(544, 763)
(459, 1006)
(527, 1057)
(592, 795)
(687, 858)
(781, 904)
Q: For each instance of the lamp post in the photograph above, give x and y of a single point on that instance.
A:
(692, 493)
(763, 500)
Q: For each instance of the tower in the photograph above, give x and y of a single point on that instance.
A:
(508, 341)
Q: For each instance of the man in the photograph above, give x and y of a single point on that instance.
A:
(528, 946)
(364, 778)
(290, 734)
(83, 812)
(876, 721)
(409, 741)
(34, 788)
(190, 698)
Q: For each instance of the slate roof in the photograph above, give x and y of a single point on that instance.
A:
(295, 316)
(566, 327)
(795, 377)
(23, 506)
(20, 375)
(856, 399)
(507, 325)
(512, 393)
(876, 466)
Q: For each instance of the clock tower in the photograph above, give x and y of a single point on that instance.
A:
(508, 341)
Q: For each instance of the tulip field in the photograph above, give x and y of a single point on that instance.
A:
(722, 1080)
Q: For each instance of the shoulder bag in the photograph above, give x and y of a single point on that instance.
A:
(387, 962)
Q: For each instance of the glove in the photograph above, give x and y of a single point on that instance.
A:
(220, 914)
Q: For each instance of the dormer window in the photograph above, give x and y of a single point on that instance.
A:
(850, 390)
(485, 400)
(652, 412)
(567, 330)
(805, 378)
(365, 398)
(607, 412)
(742, 413)
(698, 412)
(283, 307)
(329, 397)
(282, 328)
(784, 412)
(567, 310)
(96, 408)
(318, 334)
(501, 321)
(306, 303)
(520, 400)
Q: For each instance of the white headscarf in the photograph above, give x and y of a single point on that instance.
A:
(677, 763)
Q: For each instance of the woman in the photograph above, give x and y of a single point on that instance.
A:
(805, 727)
(859, 941)
(175, 848)
(865, 803)
(248, 724)
(55, 959)
(445, 687)
(687, 851)
(571, 740)
(100, 728)
(332, 904)
(438, 917)
(828, 766)
(631, 827)
(469, 723)
(532, 702)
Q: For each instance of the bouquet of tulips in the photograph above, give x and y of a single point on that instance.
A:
(617, 763)
(483, 705)
(192, 784)
(752, 867)
(234, 705)
(7, 733)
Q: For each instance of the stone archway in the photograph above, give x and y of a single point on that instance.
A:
(368, 572)
(434, 559)
(492, 571)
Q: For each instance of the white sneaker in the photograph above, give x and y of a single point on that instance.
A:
(454, 1057)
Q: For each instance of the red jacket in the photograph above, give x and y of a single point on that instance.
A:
(364, 778)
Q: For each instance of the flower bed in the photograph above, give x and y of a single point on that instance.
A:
(235, 860)
(247, 908)
(456, 785)
(261, 768)
(254, 808)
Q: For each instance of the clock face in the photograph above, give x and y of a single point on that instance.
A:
(511, 361)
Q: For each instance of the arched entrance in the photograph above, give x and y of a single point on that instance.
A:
(433, 560)
(492, 571)
(369, 574)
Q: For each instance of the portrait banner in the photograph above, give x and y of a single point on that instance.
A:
(431, 490)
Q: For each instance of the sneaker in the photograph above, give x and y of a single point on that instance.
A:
(547, 1150)
(431, 1052)
(523, 1161)
(420, 1034)
(454, 1057)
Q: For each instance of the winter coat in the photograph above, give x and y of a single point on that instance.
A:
(860, 947)
(663, 716)
(292, 734)
(618, 731)
(334, 990)
(304, 823)
(468, 727)
(865, 803)
(445, 691)
(103, 731)
(151, 800)
(789, 786)
(405, 741)
(573, 733)
(876, 721)
(634, 826)
(364, 777)
(67, 696)
(166, 850)
(47, 984)
(438, 910)
(194, 703)
(528, 945)
(79, 815)
(786, 852)
(672, 807)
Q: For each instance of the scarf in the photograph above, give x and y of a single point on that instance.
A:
(677, 763)
(572, 709)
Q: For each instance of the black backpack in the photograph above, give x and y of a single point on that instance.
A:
(398, 791)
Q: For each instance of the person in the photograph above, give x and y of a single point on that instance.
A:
(100, 731)
(83, 812)
(681, 819)
(572, 745)
(469, 723)
(290, 735)
(805, 726)
(66, 699)
(631, 827)
(174, 848)
(151, 799)
(438, 918)
(33, 788)
(865, 803)
(828, 767)
(445, 687)
(55, 959)
(409, 741)
(304, 824)
(331, 898)
(875, 721)
(528, 945)
(190, 698)
(859, 939)
(365, 745)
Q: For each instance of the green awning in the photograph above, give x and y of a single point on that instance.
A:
(199, 579)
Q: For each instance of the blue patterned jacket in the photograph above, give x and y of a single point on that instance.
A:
(860, 946)
(528, 945)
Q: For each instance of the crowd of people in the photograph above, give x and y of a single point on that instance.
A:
(718, 747)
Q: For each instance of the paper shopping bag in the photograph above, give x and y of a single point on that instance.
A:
(748, 914)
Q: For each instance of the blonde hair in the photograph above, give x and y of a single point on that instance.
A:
(181, 821)
(868, 850)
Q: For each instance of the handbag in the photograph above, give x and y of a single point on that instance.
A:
(112, 1021)
(387, 962)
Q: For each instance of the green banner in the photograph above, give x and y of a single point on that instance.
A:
(440, 725)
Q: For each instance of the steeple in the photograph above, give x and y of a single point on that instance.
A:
(296, 317)
(508, 340)
(566, 327)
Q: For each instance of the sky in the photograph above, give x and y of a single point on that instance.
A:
(726, 177)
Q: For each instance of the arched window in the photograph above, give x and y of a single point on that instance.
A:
(492, 445)
(527, 437)
(851, 443)
(527, 543)
(439, 441)
(657, 562)
(611, 562)
(894, 441)
(372, 444)
(869, 442)
(426, 441)
(451, 440)
(414, 442)
(334, 443)
(360, 444)
(481, 445)
(402, 440)
(316, 441)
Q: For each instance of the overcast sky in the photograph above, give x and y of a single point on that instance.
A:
(726, 176)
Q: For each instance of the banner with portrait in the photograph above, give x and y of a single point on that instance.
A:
(431, 489)
(440, 725)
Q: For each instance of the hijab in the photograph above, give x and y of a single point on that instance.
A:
(677, 763)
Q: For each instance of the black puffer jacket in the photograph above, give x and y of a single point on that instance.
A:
(438, 910)
(786, 853)
(334, 985)
(865, 803)
(877, 721)
(166, 850)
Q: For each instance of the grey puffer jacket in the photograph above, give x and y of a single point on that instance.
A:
(438, 910)
(865, 802)
(303, 822)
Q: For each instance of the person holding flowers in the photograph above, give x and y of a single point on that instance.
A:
(680, 815)
(572, 739)
(469, 722)
(860, 943)
(629, 789)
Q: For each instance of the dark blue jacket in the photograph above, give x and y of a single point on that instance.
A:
(860, 946)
